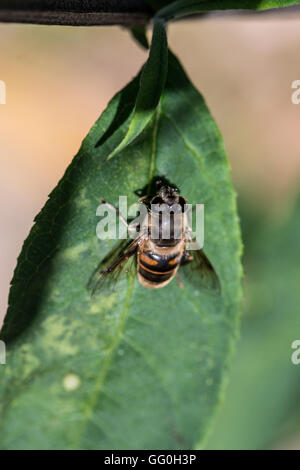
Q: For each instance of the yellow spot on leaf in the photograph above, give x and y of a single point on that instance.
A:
(104, 306)
(73, 252)
(82, 200)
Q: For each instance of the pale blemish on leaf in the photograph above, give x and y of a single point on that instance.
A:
(30, 361)
(58, 336)
(73, 253)
(82, 201)
(55, 293)
(94, 308)
(71, 382)
(106, 304)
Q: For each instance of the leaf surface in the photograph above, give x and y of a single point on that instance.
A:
(136, 368)
(139, 34)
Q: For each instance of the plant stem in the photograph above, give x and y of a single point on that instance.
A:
(75, 13)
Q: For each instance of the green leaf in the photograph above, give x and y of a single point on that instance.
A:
(182, 8)
(139, 34)
(263, 392)
(136, 368)
(152, 83)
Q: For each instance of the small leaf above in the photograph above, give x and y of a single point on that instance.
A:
(152, 82)
(139, 34)
(135, 368)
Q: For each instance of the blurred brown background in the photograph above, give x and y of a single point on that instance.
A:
(59, 80)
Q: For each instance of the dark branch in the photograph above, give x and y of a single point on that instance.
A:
(75, 12)
(97, 12)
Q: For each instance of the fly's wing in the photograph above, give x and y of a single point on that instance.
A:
(113, 267)
(198, 271)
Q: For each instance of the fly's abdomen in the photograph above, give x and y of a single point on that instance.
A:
(156, 270)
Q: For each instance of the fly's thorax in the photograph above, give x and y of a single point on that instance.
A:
(166, 224)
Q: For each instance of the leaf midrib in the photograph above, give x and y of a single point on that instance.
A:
(101, 379)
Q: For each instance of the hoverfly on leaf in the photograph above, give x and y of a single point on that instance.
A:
(155, 257)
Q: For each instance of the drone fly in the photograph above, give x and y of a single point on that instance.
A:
(158, 257)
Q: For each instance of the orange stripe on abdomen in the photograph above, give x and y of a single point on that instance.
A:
(145, 258)
(158, 264)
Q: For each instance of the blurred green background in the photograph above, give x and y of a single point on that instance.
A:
(261, 407)
(59, 80)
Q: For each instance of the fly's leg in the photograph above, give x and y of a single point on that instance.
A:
(186, 258)
(179, 281)
(133, 233)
